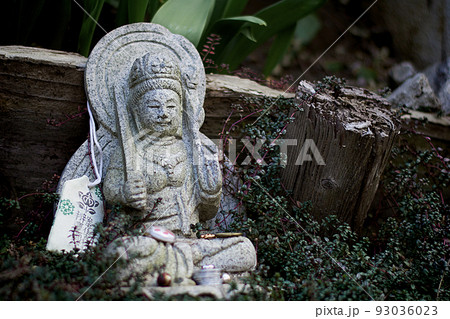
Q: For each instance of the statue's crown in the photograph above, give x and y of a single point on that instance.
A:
(151, 67)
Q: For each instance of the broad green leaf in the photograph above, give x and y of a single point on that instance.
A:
(307, 29)
(247, 29)
(122, 13)
(228, 27)
(278, 17)
(137, 10)
(188, 18)
(278, 49)
(247, 32)
(250, 19)
(218, 10)
(93, 7)
(113, 3)
(234, 8)
(304, 31)
(153, 7)
(227, 8)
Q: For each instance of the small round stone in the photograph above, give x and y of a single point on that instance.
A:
(162, 234)
(164, 280)
(226, 278)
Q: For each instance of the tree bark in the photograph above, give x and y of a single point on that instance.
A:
(354, 132)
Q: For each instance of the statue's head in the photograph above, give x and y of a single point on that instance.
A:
(155, 98)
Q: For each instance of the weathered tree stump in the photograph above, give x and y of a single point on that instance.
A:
(354, 132)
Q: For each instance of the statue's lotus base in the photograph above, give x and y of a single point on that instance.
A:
(223, 291)
(182, 259)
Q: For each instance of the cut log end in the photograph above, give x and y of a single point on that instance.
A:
(344, 138)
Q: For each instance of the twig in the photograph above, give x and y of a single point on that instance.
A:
(440, 283)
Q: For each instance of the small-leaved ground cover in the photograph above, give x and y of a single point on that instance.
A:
(299, 258)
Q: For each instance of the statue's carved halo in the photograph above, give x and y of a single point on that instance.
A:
(110, 62)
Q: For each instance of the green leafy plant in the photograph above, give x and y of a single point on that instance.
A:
(189, 19)
(29, 272)
(240, 35)
(281, 19)
(93, 10)
(194, 19)
(301, 258)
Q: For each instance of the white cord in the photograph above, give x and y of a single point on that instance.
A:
(94, 142)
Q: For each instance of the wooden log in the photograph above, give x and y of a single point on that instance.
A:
(354, 132)
(436, 127)
(222, 91)
(41, 90)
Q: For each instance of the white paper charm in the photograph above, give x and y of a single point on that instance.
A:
(79, 210)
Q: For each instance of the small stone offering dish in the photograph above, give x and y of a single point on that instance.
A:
(208, 275)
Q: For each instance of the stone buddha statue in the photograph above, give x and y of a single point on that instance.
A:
(169, 164)
(146, 87)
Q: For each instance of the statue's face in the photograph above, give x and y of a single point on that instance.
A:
(160, 111)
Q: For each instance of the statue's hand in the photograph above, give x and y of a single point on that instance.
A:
(135, 192)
